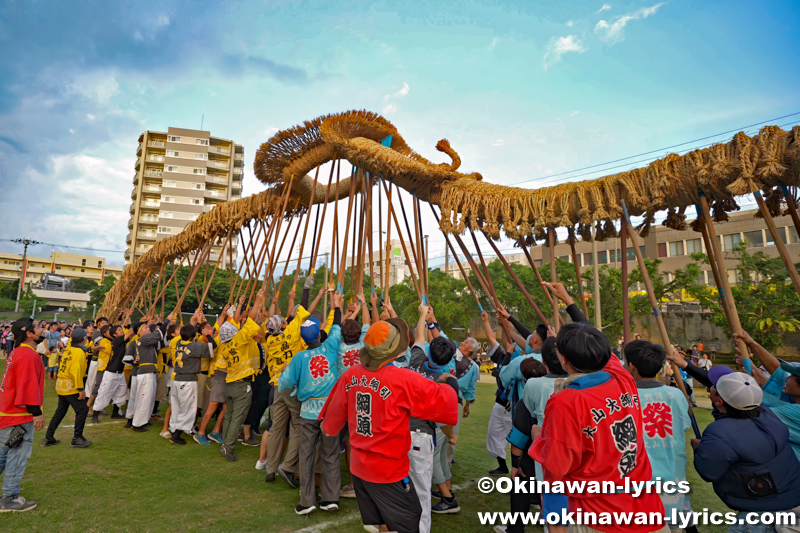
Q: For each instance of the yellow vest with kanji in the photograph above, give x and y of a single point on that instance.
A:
(242, 361)
(71, 371)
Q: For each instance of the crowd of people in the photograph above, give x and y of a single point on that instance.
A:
(391, 393)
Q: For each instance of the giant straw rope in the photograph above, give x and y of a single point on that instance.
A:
(721, 172)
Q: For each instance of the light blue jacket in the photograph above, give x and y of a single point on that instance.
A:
(511, 375)
(314, 373)
(467, 383)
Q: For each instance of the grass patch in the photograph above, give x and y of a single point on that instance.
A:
(139, 482)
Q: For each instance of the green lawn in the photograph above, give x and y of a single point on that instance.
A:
(135, 481)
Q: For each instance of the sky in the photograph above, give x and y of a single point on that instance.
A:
(524, 91)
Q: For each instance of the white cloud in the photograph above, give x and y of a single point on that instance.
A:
(498, 142)
(269, 131)
(90, 117)
(570, 23)
(605, 7)
(561, 45)
(613, 33)
(399, 94)
(71, 130)
(389, 109)
(494, 43)
(163, 20)
(574, 113)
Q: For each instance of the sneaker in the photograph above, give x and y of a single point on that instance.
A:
(252, 441)
(288, 477)
(256, 432)
(17, 505)
(166, 434)
(499, 529)
(438, 494)
(46, 442)
(329, 506)
(129, 424)
(201, 439)
(141, 429)
(80, 442)
(260, 465)
(299, 509)
(240, 438)
(96, 418)
(498, 472)
(157, 418)
(177, 440)
(445, 507)
(347, 492)
(216, 437)
(226, 454)
(270, 477)
(116, 415)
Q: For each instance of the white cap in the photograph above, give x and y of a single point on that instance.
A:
(740, 391)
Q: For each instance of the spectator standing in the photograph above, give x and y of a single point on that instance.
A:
(21, 397)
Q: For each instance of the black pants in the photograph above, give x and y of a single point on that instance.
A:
(261, 389)
(80, 408)
(393, 504)
(521, 502)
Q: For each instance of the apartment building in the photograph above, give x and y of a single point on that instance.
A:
(72, 266)
(180, 174)
(673, 247)
(396, 262)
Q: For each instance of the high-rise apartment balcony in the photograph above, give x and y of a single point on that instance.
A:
(155, 158)
(215, 179)
(154, 172)
(219, 150)
(218, 164)
(156, 144)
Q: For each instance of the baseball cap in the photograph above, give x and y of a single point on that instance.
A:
(18, 327)
(78, 334)
(384, 341)
(791, 368)
(717, 372)
(88, 323)
(740, 391)
(309, 330)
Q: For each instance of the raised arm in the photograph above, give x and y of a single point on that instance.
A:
(373, 300)
(237, 317)
(256, 309)
(769, 361)
(364, 310)
(421, 331)
(290, 308)
(561, 293)
(487, 326)
(431, 319)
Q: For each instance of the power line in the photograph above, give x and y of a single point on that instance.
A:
(653, 152)
(70, 247)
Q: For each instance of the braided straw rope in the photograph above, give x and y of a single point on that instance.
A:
(722, 171)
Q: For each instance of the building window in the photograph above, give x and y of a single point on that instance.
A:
(164, 229)
(755, 238)
(171, 168)
(731, 275)
(199, 171)
(602, 258)
(174, 139)
(83, 270)
(201, 156)
(172, 153)
(83, 262)
(731, 240)
(675, 248)
(167, 198)
(99, 264)
(169, 183)
(196, 201)
(204, 142)
(587, 259)
(632, 255)
(662, 249)
(199, 186)
(693, 246)
(793, 235)
(57, 268)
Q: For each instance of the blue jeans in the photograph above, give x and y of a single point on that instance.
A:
(13, 461)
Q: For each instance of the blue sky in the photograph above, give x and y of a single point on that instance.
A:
(521, 90)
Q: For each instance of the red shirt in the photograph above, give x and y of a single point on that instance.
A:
(378, 407)
(23, 384)
(594, 433)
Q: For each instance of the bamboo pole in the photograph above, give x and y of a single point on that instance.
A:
(657, 313)
(163, 291)
(343, 265)
(318, 236)
(207, 286)
(203, 254)
(369, 239)
(518, 282)
(388, 237)
(353, 260)
(286, 263)
(335, 244)
(382, 267)
(305, 230)
(361, 252)
(727, 295)
(418, 223)
(715, 270)
(280, 214)
(776, 236)
(578, 271)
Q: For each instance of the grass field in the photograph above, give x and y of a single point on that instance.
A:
(138, 482)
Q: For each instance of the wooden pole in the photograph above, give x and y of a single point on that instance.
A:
(657, 313)
(726, 295)
(291, 247)
(458, 262)
(715, 270)
(382, 267)
(318, 236)
(403, 245)
(578, 271)
(518, 282)
(335, 244)
(305, 230)
(219, 258)
(369, 238)
(626, 305)
(277, 232)
(272, 265)
(353, 261)
(551, 239)
(536, 272)
(776, 236)
(388, 238)
(343, 264)
(791, 205)
(201, 257)
(422, 246)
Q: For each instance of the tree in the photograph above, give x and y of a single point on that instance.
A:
(84, 285)
(98, 295)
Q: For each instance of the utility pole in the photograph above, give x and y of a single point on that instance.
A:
(426, 258)
(25, 243)
(446, 257)
(595, 268)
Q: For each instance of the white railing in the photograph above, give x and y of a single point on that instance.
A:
(218, 164)
(156, 144)
(219, 150)
(214, 179)
(152, 188)
(146, 235)
(216, 194)
(157, 158)
(153, 173)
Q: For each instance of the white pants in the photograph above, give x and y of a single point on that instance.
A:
(132, 397)
(91, 376)
(112, 389)
(145, 399)
(183, 400)
(420, 458)
(499, 427)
